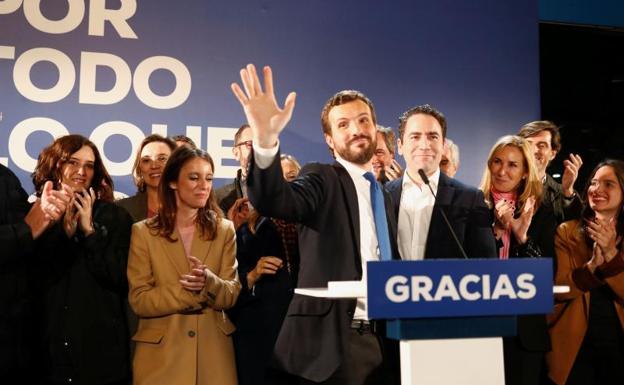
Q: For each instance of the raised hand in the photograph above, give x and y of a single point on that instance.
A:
(393, 171)
(239, 212)
(570, 173)
(263, 113)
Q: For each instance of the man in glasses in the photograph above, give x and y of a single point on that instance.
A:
(235, 192)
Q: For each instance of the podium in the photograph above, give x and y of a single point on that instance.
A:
(450, 315)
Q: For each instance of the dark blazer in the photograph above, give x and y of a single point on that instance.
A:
(259, 311)
(468, 214)
(563, 209)
(524, 353)
(19, 314)
(135, 205)
(323, 200)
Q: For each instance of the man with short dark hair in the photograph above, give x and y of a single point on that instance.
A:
(422, 231)
(385, 167)
(229, 194)
(321, 340)
(545, 140)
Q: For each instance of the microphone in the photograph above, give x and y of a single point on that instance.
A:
(425, 179)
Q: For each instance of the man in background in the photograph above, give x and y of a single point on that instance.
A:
(385, 167)
(450, 158)
(545, 140)
(229, 194)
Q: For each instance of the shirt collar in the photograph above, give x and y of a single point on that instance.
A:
(434, 180)
(352, 168)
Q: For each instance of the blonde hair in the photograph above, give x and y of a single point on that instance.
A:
(530, 186)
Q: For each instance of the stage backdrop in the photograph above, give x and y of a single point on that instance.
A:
(116, 71)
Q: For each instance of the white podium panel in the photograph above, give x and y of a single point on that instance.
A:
(469, 361)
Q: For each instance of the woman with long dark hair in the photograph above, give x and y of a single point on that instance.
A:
(182, 275)
(524, 228)
(83, 263)
(588, 322)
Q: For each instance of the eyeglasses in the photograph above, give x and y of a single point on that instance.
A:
(247, 143)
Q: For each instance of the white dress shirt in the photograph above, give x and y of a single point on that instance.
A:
(369, 248)
(415, 211)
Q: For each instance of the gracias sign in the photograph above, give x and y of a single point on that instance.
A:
(454, 288)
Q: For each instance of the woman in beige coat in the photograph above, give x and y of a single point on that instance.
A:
(182, 276)
(587, 326)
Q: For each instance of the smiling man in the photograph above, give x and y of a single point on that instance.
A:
(422, 233)
(545, 141)
(321, 340)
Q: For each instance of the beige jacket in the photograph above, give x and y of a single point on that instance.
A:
(568, 323)
(183, 337)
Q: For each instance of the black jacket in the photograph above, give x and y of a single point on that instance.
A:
(467, 213)
(323, 200)
(19, 325)
(84, 287)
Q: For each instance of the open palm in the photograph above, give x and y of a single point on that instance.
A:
(263, 113)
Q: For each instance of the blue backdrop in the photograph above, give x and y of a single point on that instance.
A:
(118, 70)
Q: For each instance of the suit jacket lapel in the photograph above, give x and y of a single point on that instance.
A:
(175, 252)
(200, 248)
(351, 203)
(444, 197)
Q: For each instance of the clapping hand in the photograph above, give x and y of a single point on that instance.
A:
(195, 280)
(263, 114)
(604, 235)
(48, 209)
(504, 215)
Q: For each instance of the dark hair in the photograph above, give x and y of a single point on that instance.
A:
(183, 138)
(207, 217)
(344, 97)
(533, 128)
(136, 170)
(52, 159)
(424, 109)
(588, 214)
(388, 136)
(239, 133)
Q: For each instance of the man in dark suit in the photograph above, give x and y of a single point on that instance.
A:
(321, 340)
(422, 231)
(20, 225)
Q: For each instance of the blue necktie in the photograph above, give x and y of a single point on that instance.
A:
(379, 213)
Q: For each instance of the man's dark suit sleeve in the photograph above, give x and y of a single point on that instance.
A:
(272, 196)
(480, 241)
(15, 235)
